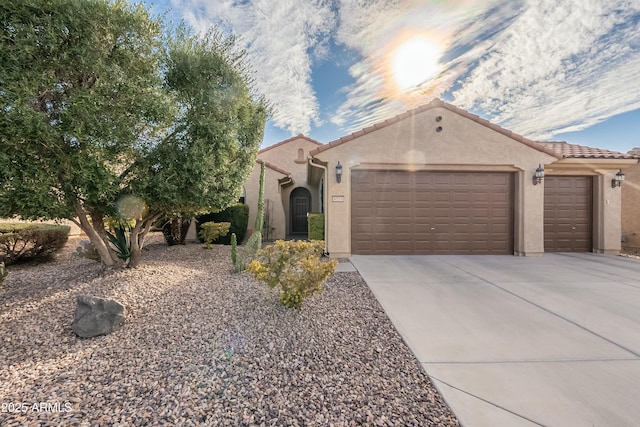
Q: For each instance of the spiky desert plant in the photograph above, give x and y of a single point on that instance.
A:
(254, 244)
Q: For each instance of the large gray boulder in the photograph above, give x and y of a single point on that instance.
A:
(97, 316)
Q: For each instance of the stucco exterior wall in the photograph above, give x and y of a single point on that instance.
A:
(631, 207)
(272, 199)
(608, 201)
(461, 145)
(288, 157)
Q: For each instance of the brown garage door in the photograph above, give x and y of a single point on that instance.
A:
(395, 212)
(567, 213)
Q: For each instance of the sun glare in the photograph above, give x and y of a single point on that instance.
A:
(415, 61)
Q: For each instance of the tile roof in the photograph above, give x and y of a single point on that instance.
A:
(435, 104)
(286, 141)
(274, 167)
(575, 151)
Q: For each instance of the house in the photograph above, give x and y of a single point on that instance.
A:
(440, 180)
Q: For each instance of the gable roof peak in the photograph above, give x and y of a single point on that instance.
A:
(438, 103)
(288, 140)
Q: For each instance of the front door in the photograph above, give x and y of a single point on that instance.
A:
(300, 206)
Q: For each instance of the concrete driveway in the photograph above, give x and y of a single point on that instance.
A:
(509, 341)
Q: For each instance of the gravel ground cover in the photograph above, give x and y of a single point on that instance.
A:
(202, 346)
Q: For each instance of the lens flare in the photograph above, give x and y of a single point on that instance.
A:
(131, 207)
(416, 61)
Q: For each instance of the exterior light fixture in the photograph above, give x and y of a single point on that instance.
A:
(539, 175)
(338, 172)
(617, 180)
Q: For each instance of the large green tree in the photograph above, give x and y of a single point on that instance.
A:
(101, 115)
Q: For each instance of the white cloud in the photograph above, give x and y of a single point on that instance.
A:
(560, 66)
(376, 28)
(282, 39)
(537, 67)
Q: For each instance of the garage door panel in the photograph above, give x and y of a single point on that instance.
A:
(421, 229)
(442, 213)
(403, 197)
(441, 196)
(384, 196)
(433, 212)
(402, 212)
(404, 228)
(461, 197)
(568, 214)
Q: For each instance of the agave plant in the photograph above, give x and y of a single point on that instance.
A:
(120, 242)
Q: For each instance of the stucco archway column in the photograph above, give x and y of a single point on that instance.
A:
(529, 214)
(607, 213)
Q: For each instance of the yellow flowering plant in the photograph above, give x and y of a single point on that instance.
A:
(296, 268)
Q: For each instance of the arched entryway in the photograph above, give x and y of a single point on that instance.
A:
(299, 206)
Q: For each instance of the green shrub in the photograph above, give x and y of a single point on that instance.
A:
(21, 242)
(250, 251)
(316, 226)
(210, 231)
(237, 215)
(294, 267)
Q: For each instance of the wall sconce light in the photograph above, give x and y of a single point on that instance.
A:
(617, 180)
(539, 175)
(338, 172)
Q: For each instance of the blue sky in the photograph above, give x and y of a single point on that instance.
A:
(547, 69)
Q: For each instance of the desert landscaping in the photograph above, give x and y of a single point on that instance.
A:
(202, 345)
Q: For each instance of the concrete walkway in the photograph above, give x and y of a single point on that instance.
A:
(509, 341)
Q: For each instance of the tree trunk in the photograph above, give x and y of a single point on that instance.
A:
(95, 238)
(175, 231)
(137, 237)
(97, 222)
(136, 252)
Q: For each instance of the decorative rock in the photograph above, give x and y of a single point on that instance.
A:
(97, 316)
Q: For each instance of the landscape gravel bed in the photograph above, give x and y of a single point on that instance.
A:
(203, 346)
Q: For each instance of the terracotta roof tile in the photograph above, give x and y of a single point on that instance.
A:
(274, 167)
(575, 151)
(435, 104)
(347, 138)
(286, 141)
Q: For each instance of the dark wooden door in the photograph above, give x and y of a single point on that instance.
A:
(568, 220)
(300, 207)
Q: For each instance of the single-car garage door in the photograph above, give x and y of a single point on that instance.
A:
(567, 213)
(398, 212)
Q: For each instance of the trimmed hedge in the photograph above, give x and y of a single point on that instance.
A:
(21, 242)
(213, 230)
(315, 223)
(237, 215)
